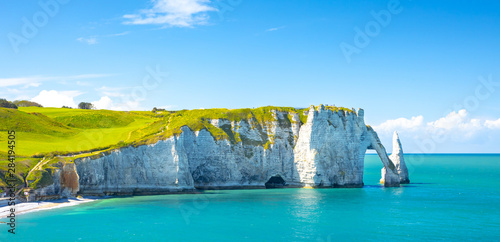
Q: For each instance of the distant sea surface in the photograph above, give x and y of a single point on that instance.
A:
(452, 197)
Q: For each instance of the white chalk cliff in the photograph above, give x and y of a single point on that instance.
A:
(326, 151)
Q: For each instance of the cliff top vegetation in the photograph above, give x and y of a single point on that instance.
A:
(73, 133)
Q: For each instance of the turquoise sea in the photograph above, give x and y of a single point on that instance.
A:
(452, 197)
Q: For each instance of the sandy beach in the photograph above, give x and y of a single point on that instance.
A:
(22, 208)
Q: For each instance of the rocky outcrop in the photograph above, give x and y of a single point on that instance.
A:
(65, 184)
(53, 191)
(69, 180)
(398, 159)
(326, 151)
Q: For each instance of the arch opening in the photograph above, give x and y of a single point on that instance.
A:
(372, 166)
(275, 182)
(389, 174)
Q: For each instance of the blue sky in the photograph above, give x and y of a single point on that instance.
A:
(413, 73)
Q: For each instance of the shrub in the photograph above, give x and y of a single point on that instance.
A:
(26, 103)
(6, 104)
(158, 110)
(85, 105)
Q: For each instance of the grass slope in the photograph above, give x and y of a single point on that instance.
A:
(23, 166)
(45, 130)
(31, 122)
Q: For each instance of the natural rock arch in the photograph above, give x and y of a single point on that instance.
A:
(390, 176)
(394, 171)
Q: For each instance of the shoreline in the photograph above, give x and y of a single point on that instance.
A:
(30, 207)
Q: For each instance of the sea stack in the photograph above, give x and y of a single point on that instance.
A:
(398, 160)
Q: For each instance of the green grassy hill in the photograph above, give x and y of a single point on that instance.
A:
(44, 130)
(34, 122)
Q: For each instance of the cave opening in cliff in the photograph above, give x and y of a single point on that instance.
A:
(275, 182)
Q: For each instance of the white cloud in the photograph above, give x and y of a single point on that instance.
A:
(89, 40)
(92, 40)
(7, 82)
(454, 120)
(107, 103)
(119, 34)
(129, 105)
(492, 124)
(125, 102)
(400, 124)
(57, 99)
(103, 103)
(455, 132)
(35, 81)
(114, 99)
(85, 76)
(274, 29)
(455, 125)
(175, 13)
(458, 125)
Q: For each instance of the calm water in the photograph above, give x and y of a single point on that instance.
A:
(453, 197)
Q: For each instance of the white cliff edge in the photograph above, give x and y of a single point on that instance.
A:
(327, 150)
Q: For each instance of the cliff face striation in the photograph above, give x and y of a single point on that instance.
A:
(326, 150)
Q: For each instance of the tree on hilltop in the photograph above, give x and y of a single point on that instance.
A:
(6, 104)
(158, 110)
(26, 103)
(85, 105)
